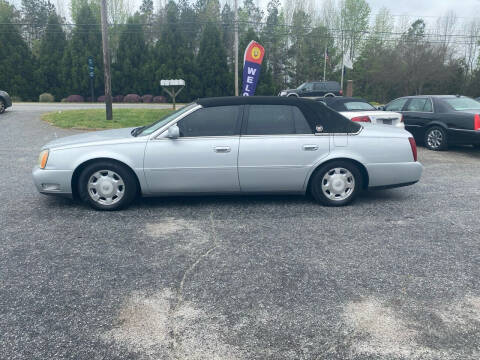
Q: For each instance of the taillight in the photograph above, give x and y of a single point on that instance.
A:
(413, 145)
(341, 92)
(361, 119)
(476, 122)
(401, 118)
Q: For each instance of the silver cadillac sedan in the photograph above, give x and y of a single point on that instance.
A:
(231, 145)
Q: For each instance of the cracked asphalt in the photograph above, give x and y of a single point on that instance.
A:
(395, 276)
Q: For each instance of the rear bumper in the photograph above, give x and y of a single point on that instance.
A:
(53, 182)
(394, 175)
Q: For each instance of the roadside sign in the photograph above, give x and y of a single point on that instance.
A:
(91, 67)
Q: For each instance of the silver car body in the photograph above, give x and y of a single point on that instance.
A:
(229, 164)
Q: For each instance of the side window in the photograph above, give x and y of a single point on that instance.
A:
(276, 120)
(416, 105)
(213, 121)
(319, 86)
(428, 106)
(309, 87)
(396, 105)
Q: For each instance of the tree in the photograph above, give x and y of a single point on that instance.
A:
(172, 58)
(130, 68)
(86, 42)
(212, 64)
(52, 47)
(35, 14)
(15, 57)
(355, 16)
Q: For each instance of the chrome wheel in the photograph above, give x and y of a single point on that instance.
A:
(435, 139)
(106, 187)
(338, 184)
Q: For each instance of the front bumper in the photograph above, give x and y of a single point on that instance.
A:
(395, 174)
(53, 182)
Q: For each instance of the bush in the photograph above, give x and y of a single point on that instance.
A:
(75, 98)
(16, 98)
(159, 99)
(132, 98)
(63, 100)
(46, 97)
(147, 98)
(101, 99)
(117, 99)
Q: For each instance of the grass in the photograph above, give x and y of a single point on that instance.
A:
(95, 118)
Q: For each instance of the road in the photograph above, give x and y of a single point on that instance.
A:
(395, 276)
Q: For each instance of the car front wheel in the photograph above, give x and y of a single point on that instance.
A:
(336, 183)
(436, 138)
(107, 186)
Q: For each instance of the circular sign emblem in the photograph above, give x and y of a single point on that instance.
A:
(256, 53)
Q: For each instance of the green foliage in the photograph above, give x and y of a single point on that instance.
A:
(52, 48)
(16, 60)
(86, 41)
(212, 64)
(46, 97)
(129, 69)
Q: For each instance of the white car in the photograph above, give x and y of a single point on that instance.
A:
(231, 145)
(360, 110)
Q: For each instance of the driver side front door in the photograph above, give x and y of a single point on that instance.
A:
(202, 160)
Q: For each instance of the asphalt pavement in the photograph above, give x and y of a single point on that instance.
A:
(394, 276)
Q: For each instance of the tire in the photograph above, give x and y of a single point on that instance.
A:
(291, 95)
(435, 138)
(2, 106)
(118, 189)
(344, 175)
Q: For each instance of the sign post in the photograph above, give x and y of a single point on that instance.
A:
(169, 87)
(91, 74)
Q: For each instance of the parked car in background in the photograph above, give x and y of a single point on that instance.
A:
(315, 89)
(231, 145)
(360, 110)
(5, 101)
(440, 120)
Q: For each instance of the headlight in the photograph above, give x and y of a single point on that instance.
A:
(42, 159)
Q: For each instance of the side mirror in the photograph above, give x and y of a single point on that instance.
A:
(173, 132)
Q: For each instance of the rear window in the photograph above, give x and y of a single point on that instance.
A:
(358, 105)
(460, 104)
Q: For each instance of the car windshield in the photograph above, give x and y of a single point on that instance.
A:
(165, 120)
(302, 86)
(358, 105)
(463, 103)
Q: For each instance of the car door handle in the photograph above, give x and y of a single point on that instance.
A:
(310, 147)
(222, 149)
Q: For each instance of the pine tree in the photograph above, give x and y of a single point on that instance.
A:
(129, 70)
(86, 41)
(212, 64)
(15, 57)
(51, 51)
(172, 57)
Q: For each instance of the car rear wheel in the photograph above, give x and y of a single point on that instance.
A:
(436, 138)
(107, 186)
(2, 106)
(336, 183)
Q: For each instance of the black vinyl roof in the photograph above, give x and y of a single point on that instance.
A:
(315, 112)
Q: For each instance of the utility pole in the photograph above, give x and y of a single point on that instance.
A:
(236, 47)
(106, 61)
